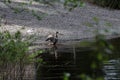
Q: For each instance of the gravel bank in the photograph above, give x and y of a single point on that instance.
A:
(74, 24)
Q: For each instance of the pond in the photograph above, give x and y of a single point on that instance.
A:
(76, 61)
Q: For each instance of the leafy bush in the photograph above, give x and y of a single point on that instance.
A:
(12, 48)
(71, 4)
(108, 3)
(13, 58)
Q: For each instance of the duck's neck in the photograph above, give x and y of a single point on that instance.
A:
(56, 35)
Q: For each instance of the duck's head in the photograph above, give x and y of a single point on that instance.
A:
(58, 33)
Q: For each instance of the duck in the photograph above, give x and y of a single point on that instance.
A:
(53, 38)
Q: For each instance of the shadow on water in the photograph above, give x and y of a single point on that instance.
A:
(76, 61)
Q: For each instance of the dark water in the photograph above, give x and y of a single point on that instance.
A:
(76, 61)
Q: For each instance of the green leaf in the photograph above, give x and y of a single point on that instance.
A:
(93, 65)
(108, 24)
(82, 4)
(18, 35)
(66, 76)
(88, 24)
(96, 19)
(111, 47)
(100, 56)
(31, 2)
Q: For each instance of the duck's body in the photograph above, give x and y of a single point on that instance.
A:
(53, 38)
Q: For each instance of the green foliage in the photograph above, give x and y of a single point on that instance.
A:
(14, 55)
(7, 1)
(66, 76)
(102, 50)
(36, 53)
(12, 48)
(103, 46)
(71, 4)
(38, 16)
(17, 10)
(47, 2)
(108, 3)
(33, 56)
(85, 77)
